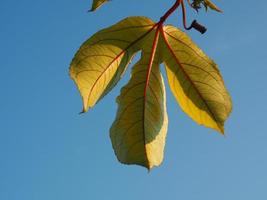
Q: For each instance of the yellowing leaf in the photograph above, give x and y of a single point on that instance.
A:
(97, 3)
(195, 80)
(101, 60)
(212, 6)
(139, 131)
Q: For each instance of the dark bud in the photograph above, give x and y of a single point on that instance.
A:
(198, 27)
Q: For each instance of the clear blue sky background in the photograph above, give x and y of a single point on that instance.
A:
(49, 152)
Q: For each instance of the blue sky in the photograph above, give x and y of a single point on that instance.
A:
(48, 151)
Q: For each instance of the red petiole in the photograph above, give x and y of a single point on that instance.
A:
(194, 24)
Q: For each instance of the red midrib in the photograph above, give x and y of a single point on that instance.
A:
(150, 65)
(186, 75)
(121, 53)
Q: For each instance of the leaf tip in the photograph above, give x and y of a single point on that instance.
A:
(148, 167)
(82, 112)
(220, 129)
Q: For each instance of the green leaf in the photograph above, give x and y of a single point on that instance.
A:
(102, 60)
(195, 80)
(197, 4)
(97, 3)
(211, 5)
(139, 130)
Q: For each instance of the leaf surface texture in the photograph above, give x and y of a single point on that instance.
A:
(139, 131)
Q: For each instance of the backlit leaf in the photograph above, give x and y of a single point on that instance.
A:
(139, 130)
(197, 4)
(101, 60)
(195, 80)
(212, 6)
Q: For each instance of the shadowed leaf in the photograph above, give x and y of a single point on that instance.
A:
(97, 3)
(139, 131)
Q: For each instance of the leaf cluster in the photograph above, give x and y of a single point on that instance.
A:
(139, 131)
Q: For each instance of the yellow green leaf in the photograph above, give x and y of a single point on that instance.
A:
(139, 131)
(212, 6)
(195, 80)
(97, 3)
(101, 60)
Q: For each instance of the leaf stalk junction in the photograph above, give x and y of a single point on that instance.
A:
(159, 29)
(194, 24)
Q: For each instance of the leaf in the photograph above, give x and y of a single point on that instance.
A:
(211, 5)
(97, 3)
(102, 60)
(139, 131)
(195, 80)
(197, 4)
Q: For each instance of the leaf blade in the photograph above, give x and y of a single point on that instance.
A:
(195, 80)
(101, 61)
(212, 6)
(139, 130)
(97, 4)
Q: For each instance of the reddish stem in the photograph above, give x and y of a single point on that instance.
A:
(149, 69)
(184, 17)
(169, 12)
(152, 56)
(194, 24)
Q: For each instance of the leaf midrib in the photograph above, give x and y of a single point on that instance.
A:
(150, 65)
(188, 78)
(115, 59)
